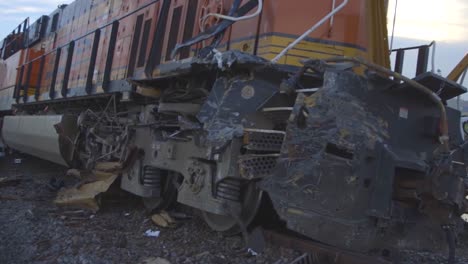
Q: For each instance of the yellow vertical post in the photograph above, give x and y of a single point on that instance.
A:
(377, 32)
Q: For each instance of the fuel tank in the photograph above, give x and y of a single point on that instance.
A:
(48, 137)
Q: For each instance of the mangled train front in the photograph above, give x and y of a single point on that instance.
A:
(206, 103)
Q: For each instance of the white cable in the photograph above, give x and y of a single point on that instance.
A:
(235, 19)
(307, 33)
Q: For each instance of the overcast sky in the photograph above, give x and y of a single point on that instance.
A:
(418, 22)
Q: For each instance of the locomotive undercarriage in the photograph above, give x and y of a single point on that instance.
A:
(350, 161)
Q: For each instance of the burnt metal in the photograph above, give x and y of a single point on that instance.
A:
(54, 73)
(324, 252)
(135, 44)
(92, 62)
(37, 92)
(68, 64)
(158, 40)
(110, 56)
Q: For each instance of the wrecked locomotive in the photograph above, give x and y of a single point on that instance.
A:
(222, 104)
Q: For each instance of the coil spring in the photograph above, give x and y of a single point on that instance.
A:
(229, 189)
(151, 177)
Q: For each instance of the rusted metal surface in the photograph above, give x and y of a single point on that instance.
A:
(321, 253)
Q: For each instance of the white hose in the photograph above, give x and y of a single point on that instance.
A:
(235, 19)
(307, 33)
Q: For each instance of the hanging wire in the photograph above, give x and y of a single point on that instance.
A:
(235, 19)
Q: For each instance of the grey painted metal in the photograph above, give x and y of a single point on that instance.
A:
(37, 136)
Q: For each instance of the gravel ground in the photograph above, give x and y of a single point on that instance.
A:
(34, 230)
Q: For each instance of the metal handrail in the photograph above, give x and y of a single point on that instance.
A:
(433, 44)
(308, 32)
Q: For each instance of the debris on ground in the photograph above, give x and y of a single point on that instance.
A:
(151, 233)
(163, 219)
(252, 252)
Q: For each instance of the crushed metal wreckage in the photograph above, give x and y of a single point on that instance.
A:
(362, 167)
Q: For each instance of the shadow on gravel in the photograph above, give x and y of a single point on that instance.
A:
(34, 230)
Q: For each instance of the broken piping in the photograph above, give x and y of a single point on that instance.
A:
(444, 137)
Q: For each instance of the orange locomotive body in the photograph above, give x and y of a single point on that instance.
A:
(68, 53)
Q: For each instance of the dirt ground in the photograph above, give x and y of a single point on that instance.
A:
(34, 230)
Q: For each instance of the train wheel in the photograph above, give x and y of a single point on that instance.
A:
(168, 196)
(251, 200)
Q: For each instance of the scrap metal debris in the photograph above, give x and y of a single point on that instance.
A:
(84, 194)
(152, 233)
